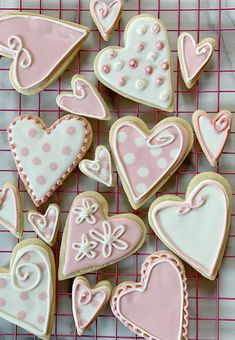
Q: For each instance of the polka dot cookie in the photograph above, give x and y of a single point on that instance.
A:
(141, 71)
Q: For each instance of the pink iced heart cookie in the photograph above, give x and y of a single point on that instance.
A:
(27, 288)
(88, 303)
(193, 57)
(11, 209)
(157, 307)
(140, 71)
(46, 226)
(84, 101)
(27, 38)
(212, 134)
(106, 14)
(92, 240)
(45, 157)
(175, 221)
(151, 155)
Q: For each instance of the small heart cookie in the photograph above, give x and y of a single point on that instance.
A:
(92, 240)
(84, 101)
(46, 226)
(101, 168)
(196, 229)
(11, 209)
(142, 70)
(45, 157)
(193, 57)
(88, 303)
(212, 134)
(27, 289)
(157, 307)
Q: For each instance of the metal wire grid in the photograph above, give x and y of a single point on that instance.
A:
(212, 304)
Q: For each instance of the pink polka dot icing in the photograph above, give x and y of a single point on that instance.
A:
(41, 319)
(42, 296)
(32, 132)
(71, 130)
(21, 315)
(2, 302)
(46, 147)
(25, 151)
(67, 150)
(53, 166)
(3, 283)
(41, 180)
(24, 296)
(37, 161)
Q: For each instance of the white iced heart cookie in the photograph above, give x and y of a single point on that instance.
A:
(99, 169)
(212, 134)
(141, 71)
(196, 229)
(27, 289)
(46, 226)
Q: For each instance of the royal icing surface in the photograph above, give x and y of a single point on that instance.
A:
(45, 225)
(27, 38)
(142, 69)
(46, 156)
(101, 168)
(26, 292)
(85, 100)
(155, 308)
(177, 225)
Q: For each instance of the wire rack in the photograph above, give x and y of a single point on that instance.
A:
(211, 304)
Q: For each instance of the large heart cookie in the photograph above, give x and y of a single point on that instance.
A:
(142, 70)
(196, 229)
(146, 159)
(46, 156)
(212, 134)
(27, 38)
(157, 307)
(27, 289)
(92, 240)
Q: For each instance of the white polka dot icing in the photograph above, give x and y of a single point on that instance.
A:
(147, 67)
(129, 158)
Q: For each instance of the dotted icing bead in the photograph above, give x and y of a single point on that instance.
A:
(148, 70)
(159, 45)
(106, 69)
(122, 81)
(164, 96)
(165, 66)
(139, 46)
(142, 29)
(159, 81)
(112, 54)
(155, 28)
(151, 57)
(118, 65)
(133, 63)
(140, 84)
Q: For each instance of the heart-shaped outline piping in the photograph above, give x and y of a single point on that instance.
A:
(58, 181)
(227, 120)
(101, 287)
(126, 287)
(185, 206)
(78, 78)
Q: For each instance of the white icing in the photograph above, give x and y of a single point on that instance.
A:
(86, 212)
(85, 249)
(9, 205)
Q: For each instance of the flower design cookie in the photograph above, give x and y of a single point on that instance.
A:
(141, 71)
(176, 222)
(92, 240)
(45, 157)
(27, 38)
(157, 306)
(212, 134)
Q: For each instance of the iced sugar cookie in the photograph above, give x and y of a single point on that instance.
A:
(11, 209)
(45, 157)
(106, 15)
(84, 101)
(193, 57)
(92, 240)
(41, 48)
(145, 159)
(87, 302)
(212, 134)
(27, 288)
(100, 169)
(156, 307)
(196, 229)
(142, 70)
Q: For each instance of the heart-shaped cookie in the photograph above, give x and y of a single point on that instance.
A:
(85, 100)
(106, 14)
(88, 303)
(146, 159)
(196, 229)
(212, 134)
(27, 289)
(46, 226)
(157, 307)
(193, 57)
(45, 157)
(141, 71)
(27, 38)
(101, 168)
(11, 209)
(92, 240)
